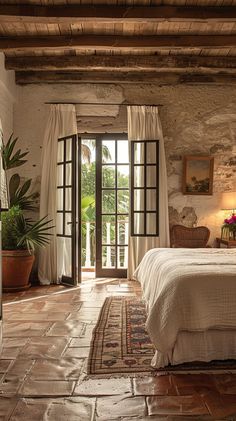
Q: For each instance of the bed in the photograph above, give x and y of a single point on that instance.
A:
(190, 296)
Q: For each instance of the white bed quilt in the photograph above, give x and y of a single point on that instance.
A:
(187, 290)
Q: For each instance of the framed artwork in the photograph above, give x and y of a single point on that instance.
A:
(198, 174)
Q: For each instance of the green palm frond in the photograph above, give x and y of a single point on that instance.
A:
(33, 234)
(10, 158)
(18, 195)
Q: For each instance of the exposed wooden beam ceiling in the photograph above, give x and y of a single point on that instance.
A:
(128, 77)
(74, 13)
(115, 42)
(122, 63)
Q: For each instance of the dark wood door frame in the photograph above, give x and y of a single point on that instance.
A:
(75, 187)
(100, 270)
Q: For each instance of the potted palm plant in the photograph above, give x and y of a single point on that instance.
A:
(21, 236)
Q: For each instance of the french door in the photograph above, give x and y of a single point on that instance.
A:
(68, 210)
(112, 205)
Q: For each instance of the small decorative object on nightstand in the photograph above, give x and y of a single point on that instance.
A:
(228, 229)
(226, 243)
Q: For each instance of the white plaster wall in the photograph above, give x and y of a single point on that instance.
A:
(8, 96)
(196, 119)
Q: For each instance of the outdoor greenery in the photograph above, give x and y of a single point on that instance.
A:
(88, 189)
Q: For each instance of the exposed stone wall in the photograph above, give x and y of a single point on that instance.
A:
(7, 98)
(196, 120)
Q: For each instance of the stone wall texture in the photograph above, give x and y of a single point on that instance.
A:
(8, 92)
(198, 119)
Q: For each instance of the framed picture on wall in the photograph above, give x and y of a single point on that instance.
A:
(198, 174)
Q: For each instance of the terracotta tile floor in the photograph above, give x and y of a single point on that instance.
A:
(47, 332)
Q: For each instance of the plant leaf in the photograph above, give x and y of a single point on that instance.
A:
(14, 184)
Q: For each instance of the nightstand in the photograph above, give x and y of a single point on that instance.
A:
(228, 243)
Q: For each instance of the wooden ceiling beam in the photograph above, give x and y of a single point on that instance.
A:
(115, 42)
(121, 63)
(128, 77)
(77, 13)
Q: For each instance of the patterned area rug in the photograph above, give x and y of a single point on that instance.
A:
(121, 345)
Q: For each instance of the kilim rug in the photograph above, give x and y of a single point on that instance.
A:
(121, 345)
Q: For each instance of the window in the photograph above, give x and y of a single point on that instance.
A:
(144, 188)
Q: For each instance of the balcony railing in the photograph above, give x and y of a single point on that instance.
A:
(89, 252)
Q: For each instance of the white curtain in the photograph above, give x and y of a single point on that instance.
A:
(3, 184)
(61, 122)
(144, 124)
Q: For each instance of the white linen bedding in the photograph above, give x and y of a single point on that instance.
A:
(187, 290)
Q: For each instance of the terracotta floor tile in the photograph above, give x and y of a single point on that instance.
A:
(103, 387)
(64, 297)
(14, 342)
(160, 385)
(11, 347)
(70, 409)
(220, 405)
(53, 306)
(58, 369)
(85, 315)
(77, 352)
(127, 294)
(39, 316)
(20, 369)
(70, 328)
(176, 405)
(15, 376)
(226, 383)
(7, 406)
(12, 352)
(46, 388)
(10, 386)
(190, 384)
(44, 347)
(4, 365)
(92, 304)
(87, 331)
(25, 329)
(81, 341)
(110, 408)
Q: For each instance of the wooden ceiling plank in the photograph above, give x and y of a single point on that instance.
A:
(116, 41)
(119, 63)
(128, 77)
(72, 13)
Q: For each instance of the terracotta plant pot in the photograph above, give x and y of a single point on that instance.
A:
(16, 268)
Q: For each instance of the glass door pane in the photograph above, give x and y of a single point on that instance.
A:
(88, 205)
(68, 204)
(145, 188)
(112, 211)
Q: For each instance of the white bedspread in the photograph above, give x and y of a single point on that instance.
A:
(187, 289)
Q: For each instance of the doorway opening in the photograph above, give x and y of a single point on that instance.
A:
(88, 207)
(93, 207)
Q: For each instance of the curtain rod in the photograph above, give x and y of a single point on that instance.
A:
(102, 103)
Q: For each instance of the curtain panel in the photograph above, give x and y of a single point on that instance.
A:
(144, 124)
(61, 123)
(3, 186)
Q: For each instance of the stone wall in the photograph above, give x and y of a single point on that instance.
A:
(196, 120)
(8, 93)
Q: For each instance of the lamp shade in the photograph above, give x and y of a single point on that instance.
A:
(228, 200)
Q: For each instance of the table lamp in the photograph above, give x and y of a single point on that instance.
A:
(229, 201)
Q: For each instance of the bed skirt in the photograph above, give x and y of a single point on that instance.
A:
(213, 344)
